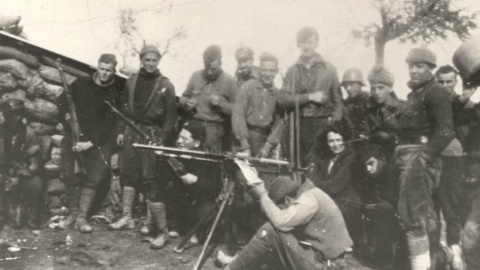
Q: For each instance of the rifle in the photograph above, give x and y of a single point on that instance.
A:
(73, 119)
(129, 122)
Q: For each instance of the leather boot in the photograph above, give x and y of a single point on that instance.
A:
(73, 195)
(159, 215)
(126, 222)
(86, 198)
(147, 224)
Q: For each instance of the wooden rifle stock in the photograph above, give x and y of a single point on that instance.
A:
(129, 122)
(73, 119)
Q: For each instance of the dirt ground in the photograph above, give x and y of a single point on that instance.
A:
(103, 249)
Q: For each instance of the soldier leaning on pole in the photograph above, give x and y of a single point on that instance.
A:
(20, 164)
(97, 141)
(425, 128)
(314, 83)
(209, 98)
(149, 100)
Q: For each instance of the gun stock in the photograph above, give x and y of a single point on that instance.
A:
(129, 122)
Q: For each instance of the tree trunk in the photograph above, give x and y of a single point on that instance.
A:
(380, 43)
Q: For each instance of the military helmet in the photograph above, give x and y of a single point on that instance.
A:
(353, 75)
(422, 55)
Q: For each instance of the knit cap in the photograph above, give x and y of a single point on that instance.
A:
(148, 48)
(422, 55)
(380, 74)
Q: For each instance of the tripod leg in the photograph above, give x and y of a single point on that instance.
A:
(212, 230)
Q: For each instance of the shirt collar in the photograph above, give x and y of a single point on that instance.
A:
(259, 85)
(317, 60)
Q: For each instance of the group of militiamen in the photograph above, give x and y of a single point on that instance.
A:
(377, 172)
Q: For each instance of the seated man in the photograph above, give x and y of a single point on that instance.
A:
(377, 192)
(196, 186)
(306, 228)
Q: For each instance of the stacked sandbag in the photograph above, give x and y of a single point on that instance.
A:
(35, 79)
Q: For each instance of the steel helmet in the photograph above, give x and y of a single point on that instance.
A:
(353, 75)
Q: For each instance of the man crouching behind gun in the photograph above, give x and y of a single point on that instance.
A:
(305, 228)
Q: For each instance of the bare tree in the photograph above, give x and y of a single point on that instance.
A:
(131, 39)
(415, 21)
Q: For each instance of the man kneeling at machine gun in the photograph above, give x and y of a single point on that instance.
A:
(306, 229)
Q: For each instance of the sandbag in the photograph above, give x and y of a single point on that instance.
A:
(55, 185)
(8, 82)
(78, 73)
(26, 58)
(19, 94)
(57, 140)
(42, 129)
(47, 91)
(53, 75)
(15, 67)
(40, 110)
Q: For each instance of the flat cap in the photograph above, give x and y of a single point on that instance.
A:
(379, 74)
(422, 55)
(244, 52)
(282, 186)
(148, 48)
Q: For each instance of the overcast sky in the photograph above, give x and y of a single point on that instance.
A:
(83, 29)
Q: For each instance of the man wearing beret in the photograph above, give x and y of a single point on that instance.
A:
(20, 162)
(246, 71)
(313, 83)
(425, 128)
(149, 100)
(209, 98)
(305, 228)
(97, 140)
(381, 110)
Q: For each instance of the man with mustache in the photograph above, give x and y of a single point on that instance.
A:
(209, 98)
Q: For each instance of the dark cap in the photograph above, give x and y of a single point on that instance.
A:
(370, 150)
(197, 130)
(282, 186)
(422, 55)
(12, 105)
(244, 52)
(148, 48)
(108, 58)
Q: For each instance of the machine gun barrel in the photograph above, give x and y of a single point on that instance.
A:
(205, 155)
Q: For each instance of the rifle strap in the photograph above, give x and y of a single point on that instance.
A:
(131, 90)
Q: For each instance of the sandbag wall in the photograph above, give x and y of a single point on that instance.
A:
(36, 82)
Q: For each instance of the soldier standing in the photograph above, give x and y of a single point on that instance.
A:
(425, 128)
(209, 98)
(149, 99)
(246, 71)
(20, 163)
(381, 110)
(97, 124)
(313, 83)
(352, 82)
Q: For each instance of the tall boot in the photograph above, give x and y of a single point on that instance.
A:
(159, 215)
(73, 195)
(86, 198)
(147, 223)
(126, 222)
